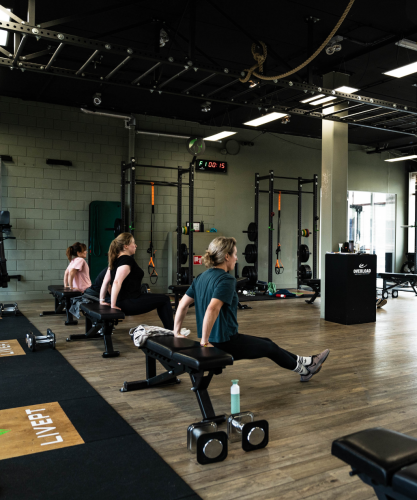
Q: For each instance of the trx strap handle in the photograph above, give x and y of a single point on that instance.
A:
(153, 275)
(279, 266)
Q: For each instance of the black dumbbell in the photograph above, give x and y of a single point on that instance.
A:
(32, 341)
(209, 444)
(241, 427)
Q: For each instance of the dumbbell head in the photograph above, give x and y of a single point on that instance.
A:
(52, 339)
(255, 435)
(31, 341)
(211, 447)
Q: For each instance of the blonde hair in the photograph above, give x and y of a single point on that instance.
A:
(217, 251)
(73, 250)
(117, 246)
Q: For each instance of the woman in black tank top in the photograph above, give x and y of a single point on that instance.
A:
(126, 276)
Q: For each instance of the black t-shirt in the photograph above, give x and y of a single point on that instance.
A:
(131, 284)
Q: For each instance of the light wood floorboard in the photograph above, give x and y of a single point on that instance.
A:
(369, 380)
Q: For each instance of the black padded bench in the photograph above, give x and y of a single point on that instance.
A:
(63, 295)
(384, 459)
(97, 317)
(177, 356)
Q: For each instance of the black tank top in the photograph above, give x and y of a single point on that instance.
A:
(131, 284)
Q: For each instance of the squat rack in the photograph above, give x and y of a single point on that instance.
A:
(126, 226)
(271, 191)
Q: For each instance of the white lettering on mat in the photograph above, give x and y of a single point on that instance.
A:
(38, 420)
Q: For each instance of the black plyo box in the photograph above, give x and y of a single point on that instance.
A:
(350, 288)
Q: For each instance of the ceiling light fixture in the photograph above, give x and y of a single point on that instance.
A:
(402, 158)
(322, 101)
(409, 69)
(220, 135)
(407, 44)
(265, 119)
(4, 35)
(348, 90)
(313, 98)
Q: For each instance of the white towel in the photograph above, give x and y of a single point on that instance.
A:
(141, 333)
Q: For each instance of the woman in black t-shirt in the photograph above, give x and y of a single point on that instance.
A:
(126, 276)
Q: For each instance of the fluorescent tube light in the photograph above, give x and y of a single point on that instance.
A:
(321, 101)
(348, 90)
(403, 70)
(401, 158)
(265, 119)
(312, 98)
(407, 44)
(4, 35)
(220, 135)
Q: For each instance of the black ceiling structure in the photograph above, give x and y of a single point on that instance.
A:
(65, 53)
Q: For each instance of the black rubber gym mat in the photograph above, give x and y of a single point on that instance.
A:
(113, 463)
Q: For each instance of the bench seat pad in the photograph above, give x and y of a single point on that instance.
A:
(99, 312)
(405, 481)
(168, 344)
(64, 291)
(377, 452)
(203, 358)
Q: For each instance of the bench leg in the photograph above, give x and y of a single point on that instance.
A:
(200, 385)
(89, 335)
(70, 317)
(59, 309)
(168, 377)
(108, 343)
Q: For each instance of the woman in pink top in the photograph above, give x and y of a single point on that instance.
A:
(77, 274)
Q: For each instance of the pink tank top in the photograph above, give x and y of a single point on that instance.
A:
(82, 278)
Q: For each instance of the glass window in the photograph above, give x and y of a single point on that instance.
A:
(371, 226)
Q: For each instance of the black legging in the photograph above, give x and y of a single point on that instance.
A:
(148, 302)
(248, 347)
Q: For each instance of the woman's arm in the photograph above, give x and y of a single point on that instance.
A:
(182, 310)
(73, 272)
(121, 274)
(104, 285)
(210, 317)
(66, 277)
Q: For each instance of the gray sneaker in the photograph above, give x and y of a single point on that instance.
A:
(381, 303)
(315, 367)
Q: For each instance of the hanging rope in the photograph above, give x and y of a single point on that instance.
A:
(153, 275)
(260, 59)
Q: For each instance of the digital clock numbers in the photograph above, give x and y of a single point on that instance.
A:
(211, 166)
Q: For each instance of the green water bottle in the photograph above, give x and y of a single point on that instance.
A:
(235, 397)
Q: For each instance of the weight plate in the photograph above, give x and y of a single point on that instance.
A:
(250, 273)
(196, 146)
(305, 272)
(250, 254)
(183, 253)
(252, 231)
(304, 253)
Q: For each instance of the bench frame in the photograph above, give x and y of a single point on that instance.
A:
(62, 306)
(92, 327)
(173, 369)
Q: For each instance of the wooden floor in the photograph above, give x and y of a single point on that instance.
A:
(368, 380)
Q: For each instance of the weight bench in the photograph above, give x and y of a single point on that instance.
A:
(315, 286)
(383, 459)
(407, 282)
(99, 317)
(179, 356)
(63, 296)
